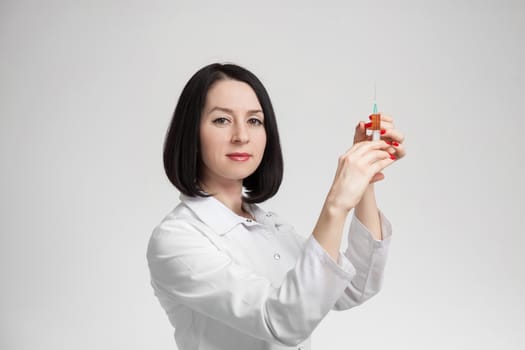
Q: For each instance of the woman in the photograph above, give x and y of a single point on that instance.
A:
(229, 274)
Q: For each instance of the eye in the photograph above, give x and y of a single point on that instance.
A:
(220, 121)
(255, 121)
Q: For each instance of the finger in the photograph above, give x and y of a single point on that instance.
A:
(399, 150)
(384, 125)
(360, 129)
(393, 134)
(355, 148)
(366, 146)
(384, 117)
(377, 177)
(387, 125)
(360, 132)
(374, 156)
(381, 164)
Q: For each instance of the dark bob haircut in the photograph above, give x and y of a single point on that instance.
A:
(182, 162)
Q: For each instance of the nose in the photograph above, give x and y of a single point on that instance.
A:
(240, 134)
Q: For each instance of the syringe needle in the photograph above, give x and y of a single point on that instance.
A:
(375, 103)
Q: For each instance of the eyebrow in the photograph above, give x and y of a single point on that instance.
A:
(227, 110)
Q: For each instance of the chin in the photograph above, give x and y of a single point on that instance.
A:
(238, 175)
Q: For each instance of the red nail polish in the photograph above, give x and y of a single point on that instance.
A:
(370, 117)
(392, 157)
(367, 125)
(389, 142)
(383, 132)
(394, 143)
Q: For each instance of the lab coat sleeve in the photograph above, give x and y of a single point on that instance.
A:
(188, 268)
(368, 256)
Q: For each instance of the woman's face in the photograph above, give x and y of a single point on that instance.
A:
(232, 134)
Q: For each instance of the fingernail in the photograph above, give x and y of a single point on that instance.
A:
(392, 157)
(370, 117)
(389, 142)
(394, 143)
(367, 125)
(383, 132)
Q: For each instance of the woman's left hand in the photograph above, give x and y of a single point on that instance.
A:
(388, 133)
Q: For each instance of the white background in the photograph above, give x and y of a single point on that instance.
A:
(87, 90)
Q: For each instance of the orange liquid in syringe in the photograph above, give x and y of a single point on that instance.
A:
(376, 122)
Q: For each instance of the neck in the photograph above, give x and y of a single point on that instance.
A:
(228, 193)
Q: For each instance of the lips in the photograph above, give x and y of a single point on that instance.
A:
(239, 157)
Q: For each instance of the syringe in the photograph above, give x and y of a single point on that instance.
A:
(375, 129)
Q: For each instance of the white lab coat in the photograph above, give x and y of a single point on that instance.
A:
(227, 282)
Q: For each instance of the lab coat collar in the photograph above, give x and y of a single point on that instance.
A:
(215, 214)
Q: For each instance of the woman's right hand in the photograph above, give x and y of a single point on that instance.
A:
(357, 168)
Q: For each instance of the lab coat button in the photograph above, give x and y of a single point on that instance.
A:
(300, 348)
(276, 256)
(268, 215)
(248, 220)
